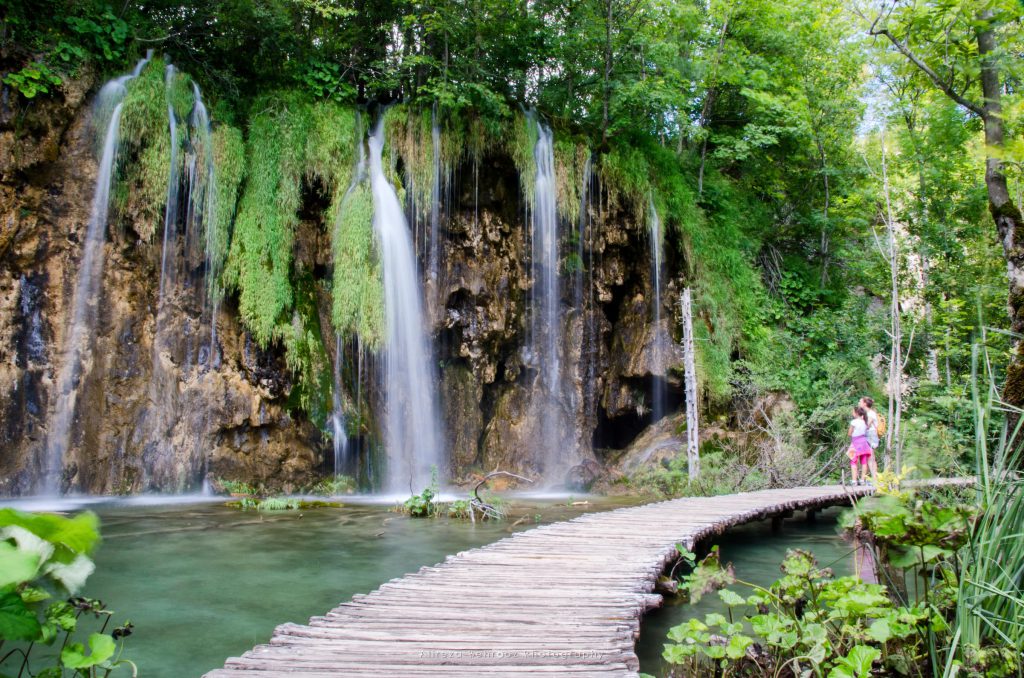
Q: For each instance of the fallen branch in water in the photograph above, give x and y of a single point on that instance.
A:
(488, 510)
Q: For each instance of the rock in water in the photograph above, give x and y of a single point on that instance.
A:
(582, 476)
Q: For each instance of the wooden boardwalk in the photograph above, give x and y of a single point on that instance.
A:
(562, 599)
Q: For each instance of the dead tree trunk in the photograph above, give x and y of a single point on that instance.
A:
(893, 446)
(690, 377)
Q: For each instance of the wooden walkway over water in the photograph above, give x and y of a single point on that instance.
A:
(562, 599)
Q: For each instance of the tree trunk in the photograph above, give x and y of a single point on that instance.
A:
(1005, 214)
(893, 441)
(690, 378)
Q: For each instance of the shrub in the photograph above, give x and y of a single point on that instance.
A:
(42, 557)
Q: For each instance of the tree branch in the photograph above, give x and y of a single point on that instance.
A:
(946, 88)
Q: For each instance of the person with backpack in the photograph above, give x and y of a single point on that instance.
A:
(860, 452)
(876, 428)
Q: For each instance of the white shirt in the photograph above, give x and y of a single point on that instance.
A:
(859, 427)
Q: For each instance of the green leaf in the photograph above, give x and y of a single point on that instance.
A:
(678, 654)
(62, 615)
(17, 622)
(72, 536)
(16, 565)
(731, 598)
(715, 619)
(101, 648)
(31, 594)
(879, 631)
(737, 647)
(857, 664)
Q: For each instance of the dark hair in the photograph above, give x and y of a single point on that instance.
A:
(862, 413)
(869, 401)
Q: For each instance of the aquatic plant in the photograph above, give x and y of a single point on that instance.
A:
(808, 622)
(422, 505)
(279, 504)
(571, 156)
(235, 487)
(333, 486)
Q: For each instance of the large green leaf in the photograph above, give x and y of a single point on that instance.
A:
(16, 565)
(17, 622)
(101, 648)
(857, 664)
(72, 536)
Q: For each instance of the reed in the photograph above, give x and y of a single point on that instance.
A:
(990, 604)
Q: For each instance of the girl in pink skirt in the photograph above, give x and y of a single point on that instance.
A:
(860, 450)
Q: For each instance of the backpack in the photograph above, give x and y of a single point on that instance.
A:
(880, 426)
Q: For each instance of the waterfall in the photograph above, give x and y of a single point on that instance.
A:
(338, 415)
(202, 205)
(587, 368)
(545, 306)
(173, 182)
(411, 424)
(185, 336)
(433, 258)
(658, 356)
(87, 286)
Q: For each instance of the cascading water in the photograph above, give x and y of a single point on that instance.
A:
(545, 317)
(411, 424)
(338, 416)
(202, 210)
(173, 183)
(658, 347)
(587, 367)
(90, 271)
(184, 342)
(434, 258)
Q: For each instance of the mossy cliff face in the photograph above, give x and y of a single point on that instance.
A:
(606, 355)
(227, 420)
(165, 414)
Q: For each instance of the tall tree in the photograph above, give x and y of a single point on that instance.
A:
(966, 48)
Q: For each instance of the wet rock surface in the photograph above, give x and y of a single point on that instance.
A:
(163, 415)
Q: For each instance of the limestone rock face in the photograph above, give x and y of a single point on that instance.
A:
(145, 419)
(161, 406)
(463, 420)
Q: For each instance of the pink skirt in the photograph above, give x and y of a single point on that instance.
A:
(860, 446)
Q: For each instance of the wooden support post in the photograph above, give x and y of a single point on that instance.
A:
(690, 379)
